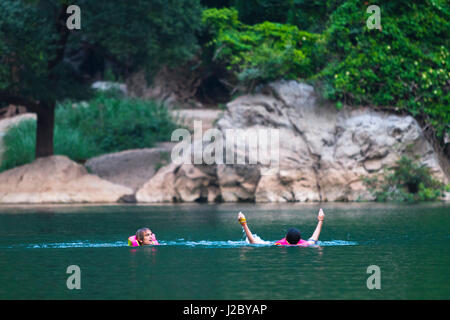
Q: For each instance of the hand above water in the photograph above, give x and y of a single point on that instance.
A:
(321, 215)
(241, 217)
(248, 233)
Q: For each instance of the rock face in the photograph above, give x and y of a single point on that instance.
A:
(322, 152)
(186, 117)
(177, 183)
(130, 168)
(56, 179)
(173, 87)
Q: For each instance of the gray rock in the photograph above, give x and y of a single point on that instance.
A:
(107, 85)
(130, 168)
(323, 153)
(56, 179)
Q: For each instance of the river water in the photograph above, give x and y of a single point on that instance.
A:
(204, 253)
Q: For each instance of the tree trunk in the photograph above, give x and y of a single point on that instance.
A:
(44, 131)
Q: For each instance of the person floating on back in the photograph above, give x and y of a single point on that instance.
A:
(143, 237)
(293, 236)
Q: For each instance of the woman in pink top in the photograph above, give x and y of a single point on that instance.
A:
(292, 237)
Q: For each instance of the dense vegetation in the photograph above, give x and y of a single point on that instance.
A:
(263, 52)
(106, 123)
(43, 62)
(406, 181)
(403, 68)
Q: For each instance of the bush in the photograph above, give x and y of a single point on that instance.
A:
(263, 52)
(19, 145)
(105, 124)
(116, 124)
(309, 15)
(404, 67)
(406, 181)
(258, 11)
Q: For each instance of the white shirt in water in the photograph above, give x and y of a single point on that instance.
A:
(258, 240)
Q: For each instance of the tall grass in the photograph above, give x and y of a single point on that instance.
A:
(107, 123)
(19, 145)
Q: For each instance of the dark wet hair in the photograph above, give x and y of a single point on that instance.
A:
(293, 236)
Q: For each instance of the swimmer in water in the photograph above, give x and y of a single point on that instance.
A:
(143, 237)
(293, 236)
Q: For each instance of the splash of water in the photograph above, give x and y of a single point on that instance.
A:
(178, 242)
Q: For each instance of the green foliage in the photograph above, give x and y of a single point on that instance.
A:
(27, 48)
(107, 123)
(216, 3)
(262, 52)
(35, 55)
(403, 67)
(141, 33)
(19, 145)
(312, 15)
(406, 181)
(73, 143)
(258, 11)
(218, 20)
(308, 15)
(115, 123)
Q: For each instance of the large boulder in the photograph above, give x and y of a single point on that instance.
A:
(180, 183)
(56, 179)
(130, 168)
(323, 153)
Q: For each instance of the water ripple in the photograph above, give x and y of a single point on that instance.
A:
(178, 242)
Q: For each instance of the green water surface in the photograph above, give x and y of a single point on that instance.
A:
(203, 253)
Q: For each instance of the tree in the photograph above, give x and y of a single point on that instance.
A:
(36, 48)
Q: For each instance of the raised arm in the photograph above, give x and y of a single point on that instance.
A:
(316, 234)
(243, 222)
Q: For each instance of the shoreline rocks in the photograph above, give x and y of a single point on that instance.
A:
(129, 168)
(56, 179)
(322, 155)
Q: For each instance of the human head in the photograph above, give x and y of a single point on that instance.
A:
(293, 236)
(144, 236)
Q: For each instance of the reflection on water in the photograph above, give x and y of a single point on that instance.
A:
(204, 253)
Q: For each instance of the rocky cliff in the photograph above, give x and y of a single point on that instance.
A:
(321, 156)
(323, 153)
